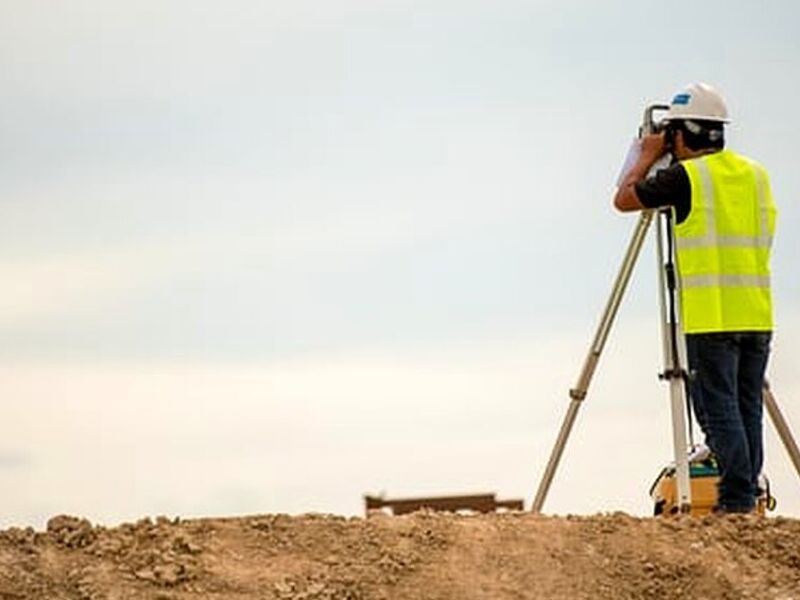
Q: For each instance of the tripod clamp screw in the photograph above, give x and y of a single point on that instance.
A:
(577, 394)
(669, 374)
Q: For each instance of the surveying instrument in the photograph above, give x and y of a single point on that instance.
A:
(673, 348)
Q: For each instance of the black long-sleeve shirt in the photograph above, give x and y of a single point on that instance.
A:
(668, 187)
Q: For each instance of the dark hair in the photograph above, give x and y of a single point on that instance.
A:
(701, 134)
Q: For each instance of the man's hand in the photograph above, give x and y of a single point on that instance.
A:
(653, 147)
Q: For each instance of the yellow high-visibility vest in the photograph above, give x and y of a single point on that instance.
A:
(723, 246)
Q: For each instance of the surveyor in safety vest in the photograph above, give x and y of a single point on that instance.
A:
(725, 222)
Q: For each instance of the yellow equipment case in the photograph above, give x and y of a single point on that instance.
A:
(704, 476)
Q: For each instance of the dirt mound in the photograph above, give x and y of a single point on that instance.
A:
(422, 556)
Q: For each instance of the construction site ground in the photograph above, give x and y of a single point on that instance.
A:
(424, 555)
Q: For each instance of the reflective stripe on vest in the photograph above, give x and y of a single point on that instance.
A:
(730, 241)
(723, 246)
(700, 281)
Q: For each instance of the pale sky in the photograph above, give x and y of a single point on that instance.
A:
(266, 256)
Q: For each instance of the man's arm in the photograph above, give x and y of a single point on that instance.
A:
(653, 147)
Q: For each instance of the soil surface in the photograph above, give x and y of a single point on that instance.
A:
(425, 555)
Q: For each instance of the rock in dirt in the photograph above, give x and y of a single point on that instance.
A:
(71, 532)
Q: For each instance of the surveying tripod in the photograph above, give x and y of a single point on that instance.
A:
(673, 347)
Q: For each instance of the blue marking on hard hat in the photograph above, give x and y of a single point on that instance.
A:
(681, 99)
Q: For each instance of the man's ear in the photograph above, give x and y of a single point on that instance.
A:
(679, 138)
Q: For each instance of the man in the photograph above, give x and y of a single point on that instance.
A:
(725, 221)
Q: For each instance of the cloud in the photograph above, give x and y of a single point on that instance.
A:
(53, 287)
(277, 436)
(350, 215)
(14, 460)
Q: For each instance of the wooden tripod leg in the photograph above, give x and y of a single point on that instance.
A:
(782, 427)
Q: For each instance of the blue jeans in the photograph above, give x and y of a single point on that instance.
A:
(726, 390)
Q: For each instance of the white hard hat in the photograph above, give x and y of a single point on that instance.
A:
(698, 101)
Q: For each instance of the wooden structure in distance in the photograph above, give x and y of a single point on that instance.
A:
(483, 503)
